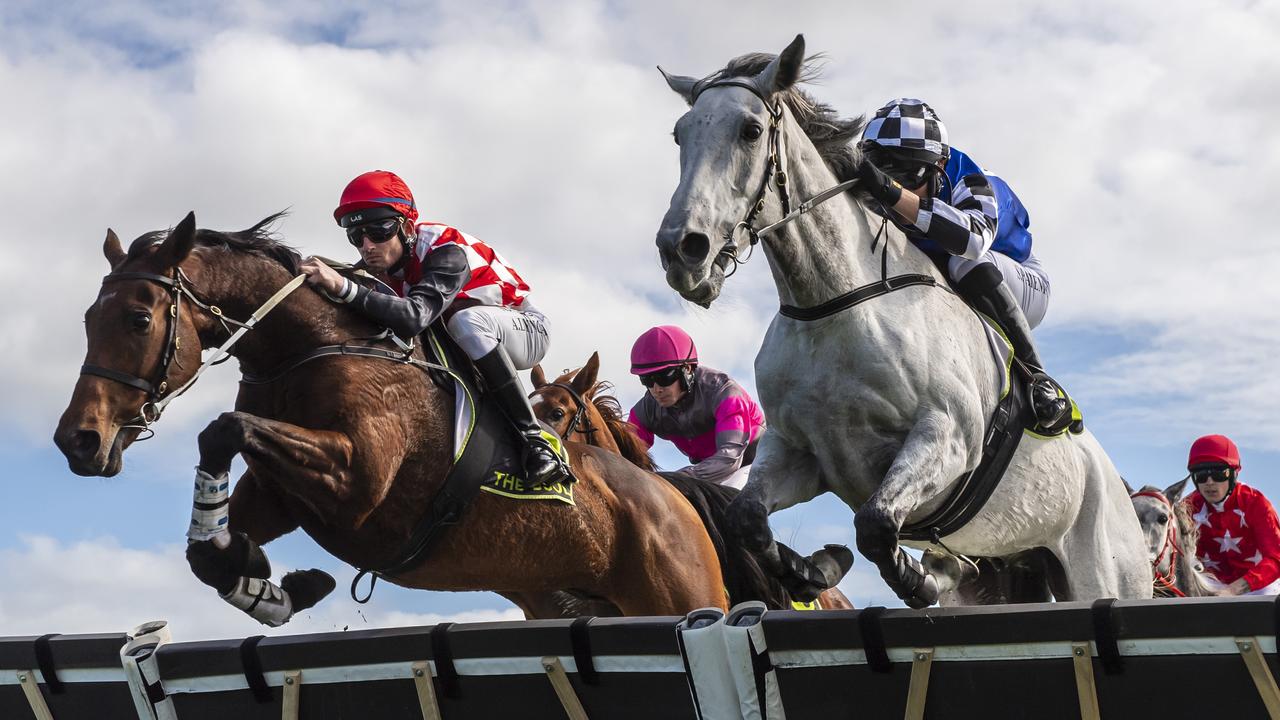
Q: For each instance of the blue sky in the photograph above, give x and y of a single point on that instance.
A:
(1139, 137)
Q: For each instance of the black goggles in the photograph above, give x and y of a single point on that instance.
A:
(378, 231)
(909, 173)
(1204, 475)
(662, 377)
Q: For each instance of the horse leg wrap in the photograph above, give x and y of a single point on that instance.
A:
(261, 600)
(908, 578)
(209, 509)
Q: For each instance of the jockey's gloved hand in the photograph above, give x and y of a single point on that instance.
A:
(880, 186)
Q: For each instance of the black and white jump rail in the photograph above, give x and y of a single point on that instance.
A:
(1192, 658)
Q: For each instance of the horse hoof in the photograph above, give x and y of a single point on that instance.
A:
(210, 565)
(925, 595)
(307, 587)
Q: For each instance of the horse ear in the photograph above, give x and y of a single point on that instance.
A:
(682, 85)
(1127, 487)
(785, 69)
(1174, 491)
(586, 377)
(111, 248)
(181, 239)
(537, 377)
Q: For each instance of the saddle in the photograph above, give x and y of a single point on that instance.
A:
(487, 456)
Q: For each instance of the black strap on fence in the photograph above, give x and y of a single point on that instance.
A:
(44, 661)
(252, 666)
(442, 655)
(1104, 636)
(873, 639)
(582, 657)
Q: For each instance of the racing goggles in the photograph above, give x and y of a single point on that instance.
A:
(1212, 474)
(909, 173)
(662, 377)
(378, 231)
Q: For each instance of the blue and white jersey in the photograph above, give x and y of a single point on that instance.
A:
(973, 212)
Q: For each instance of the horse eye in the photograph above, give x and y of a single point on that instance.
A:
(557, 414)
(752, 131)
(141, 321)
(1163, 518)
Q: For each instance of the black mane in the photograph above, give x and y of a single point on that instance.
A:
(261, 240)
(835, 137)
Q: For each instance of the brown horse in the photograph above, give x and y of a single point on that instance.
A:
(580, 408)
(351, 449)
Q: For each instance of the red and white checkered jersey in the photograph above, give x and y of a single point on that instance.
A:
(493, 281)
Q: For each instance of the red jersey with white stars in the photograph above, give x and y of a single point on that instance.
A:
(1240, 539)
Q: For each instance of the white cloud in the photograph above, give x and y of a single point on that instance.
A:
(100, 586)
(1139, 135)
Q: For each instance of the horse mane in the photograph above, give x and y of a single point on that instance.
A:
(260, 240)
(1187, 527)
(623, 432)
(832, 135)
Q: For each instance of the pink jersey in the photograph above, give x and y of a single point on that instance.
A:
(713, 424)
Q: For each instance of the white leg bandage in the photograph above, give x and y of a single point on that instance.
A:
(262, 600)
(209, 509)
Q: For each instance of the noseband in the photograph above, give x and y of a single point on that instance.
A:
(579, 413)
(158, 396)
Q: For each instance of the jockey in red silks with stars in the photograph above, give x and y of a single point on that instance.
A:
(1239, 542)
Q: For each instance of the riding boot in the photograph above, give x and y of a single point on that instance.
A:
(985, 290)
(542, 464)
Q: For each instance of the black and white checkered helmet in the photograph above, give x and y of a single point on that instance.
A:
(910, 127)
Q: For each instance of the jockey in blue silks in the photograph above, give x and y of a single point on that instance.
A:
(971, 223)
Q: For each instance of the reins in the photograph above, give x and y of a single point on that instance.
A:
(1162, 582)
(776, 172)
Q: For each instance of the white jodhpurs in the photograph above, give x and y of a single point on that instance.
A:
(521, 332)
(1027, 281)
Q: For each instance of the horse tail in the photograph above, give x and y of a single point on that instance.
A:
(623, 432)
(744, 578)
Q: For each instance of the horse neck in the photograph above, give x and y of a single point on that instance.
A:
(826, 251)
(601, 435)
(239, 284)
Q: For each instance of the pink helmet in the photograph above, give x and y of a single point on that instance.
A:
(660, 348)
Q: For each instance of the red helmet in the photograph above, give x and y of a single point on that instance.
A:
(660, 348)
(1214, 450)
(377, 189)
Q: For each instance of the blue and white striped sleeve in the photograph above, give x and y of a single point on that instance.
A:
(967, 225)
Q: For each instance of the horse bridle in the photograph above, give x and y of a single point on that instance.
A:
(579, 413)
(775, 172)
(158, 396)
(1162, 582)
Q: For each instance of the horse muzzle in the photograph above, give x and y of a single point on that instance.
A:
(692, 268)
(88, 454)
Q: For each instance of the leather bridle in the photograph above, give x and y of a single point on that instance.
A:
(579, 413)
(157, 390)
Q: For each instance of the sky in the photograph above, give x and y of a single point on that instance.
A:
(1140, 136)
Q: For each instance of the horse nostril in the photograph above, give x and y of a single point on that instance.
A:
(84, 443)
(694, 247)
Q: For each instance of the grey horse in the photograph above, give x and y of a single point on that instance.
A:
(884, 404)
(1171, 536)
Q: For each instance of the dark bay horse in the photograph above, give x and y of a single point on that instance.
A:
(350, 449)
(580, 408)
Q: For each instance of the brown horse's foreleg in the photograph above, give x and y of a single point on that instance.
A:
(234, 563)
(314, 467)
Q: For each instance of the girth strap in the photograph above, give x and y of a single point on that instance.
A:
(855, 297)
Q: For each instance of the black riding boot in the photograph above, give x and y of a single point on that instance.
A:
(985, 290)
(541, 463)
